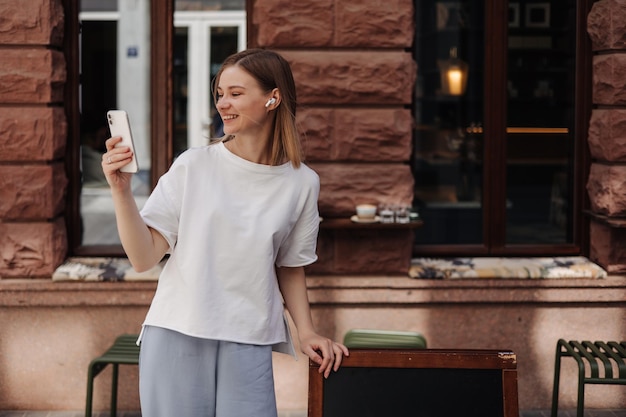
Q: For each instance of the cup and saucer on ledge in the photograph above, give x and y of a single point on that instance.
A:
(365, 213)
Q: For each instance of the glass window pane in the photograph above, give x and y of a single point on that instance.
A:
(202, 41)
(98, 5)
(115, 74)
(540, 135)
(447, 160)
(181, 88)
(224, 42)
(210, 5)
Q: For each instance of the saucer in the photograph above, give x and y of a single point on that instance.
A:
(356, 219)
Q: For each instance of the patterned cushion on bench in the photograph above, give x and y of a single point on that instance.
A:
(102, 269)
(549, 267)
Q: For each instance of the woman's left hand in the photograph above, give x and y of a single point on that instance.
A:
(323, 351)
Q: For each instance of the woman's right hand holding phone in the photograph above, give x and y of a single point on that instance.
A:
(114, 159)
(144, 246)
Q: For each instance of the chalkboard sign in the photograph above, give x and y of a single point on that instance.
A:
(417, 383)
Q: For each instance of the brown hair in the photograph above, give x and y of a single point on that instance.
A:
(272, 71)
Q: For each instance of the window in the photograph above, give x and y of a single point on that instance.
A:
(115, 74)
(202, 40)
(498, 139)
(123, 55)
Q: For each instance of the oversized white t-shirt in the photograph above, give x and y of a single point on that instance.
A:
(229, 223)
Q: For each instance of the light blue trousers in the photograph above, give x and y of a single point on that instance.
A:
(184, 376)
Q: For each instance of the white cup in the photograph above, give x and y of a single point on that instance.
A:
(366, 211)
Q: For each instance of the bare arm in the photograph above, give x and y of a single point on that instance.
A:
(144, 246)
(292, 284)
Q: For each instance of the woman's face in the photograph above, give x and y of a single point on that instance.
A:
(241, 103)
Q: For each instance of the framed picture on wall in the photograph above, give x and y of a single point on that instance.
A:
(514, 15)
(449, 16)
(537, 15)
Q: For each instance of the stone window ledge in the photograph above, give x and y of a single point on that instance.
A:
(87, 282)
(402, 290)
(338, 290)
(47, 293)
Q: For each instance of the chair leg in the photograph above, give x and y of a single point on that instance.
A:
(89, 404)
(114, 390)
(555, 387)
(580, 407)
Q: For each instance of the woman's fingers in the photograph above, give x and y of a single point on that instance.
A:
(111, 142)
(117, 157)
(328, 358)
(325, 352)
(340, 352)
(332, 355)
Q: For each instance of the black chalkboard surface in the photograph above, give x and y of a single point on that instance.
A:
(417, 383)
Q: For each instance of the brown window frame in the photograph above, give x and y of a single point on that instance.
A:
(494, 186)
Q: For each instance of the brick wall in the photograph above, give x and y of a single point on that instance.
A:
(32, 138)
(355, 76)
(607, 135)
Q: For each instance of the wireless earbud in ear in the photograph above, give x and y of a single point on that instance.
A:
(270, 102)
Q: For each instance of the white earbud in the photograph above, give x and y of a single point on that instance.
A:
(270, 102)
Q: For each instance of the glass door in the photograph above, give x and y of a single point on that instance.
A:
(203, 39)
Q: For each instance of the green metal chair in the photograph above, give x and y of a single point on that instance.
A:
(598, 355)
(123, 352)
(384, 339)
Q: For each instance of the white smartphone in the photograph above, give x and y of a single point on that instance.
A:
(119, 125)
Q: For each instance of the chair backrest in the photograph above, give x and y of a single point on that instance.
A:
(384, 339)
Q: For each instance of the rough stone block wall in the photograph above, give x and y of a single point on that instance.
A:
(355, 75)
(608, 247)
(606, 186)
(32, 139)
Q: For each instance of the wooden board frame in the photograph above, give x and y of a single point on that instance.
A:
(499, 360)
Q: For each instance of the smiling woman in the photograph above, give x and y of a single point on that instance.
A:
(240, 104)
(256, 91)
(243, 254)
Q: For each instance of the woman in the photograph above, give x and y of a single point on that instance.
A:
(239, 220)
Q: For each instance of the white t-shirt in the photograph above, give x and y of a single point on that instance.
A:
(229, 223)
